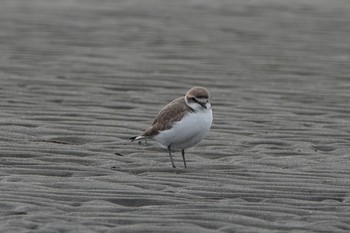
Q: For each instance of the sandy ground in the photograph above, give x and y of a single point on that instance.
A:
(78, 78)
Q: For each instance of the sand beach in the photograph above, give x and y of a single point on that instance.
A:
(78, 78)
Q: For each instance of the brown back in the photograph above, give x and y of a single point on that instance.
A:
(171, 113)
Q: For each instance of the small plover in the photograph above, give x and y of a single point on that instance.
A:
(182, 123)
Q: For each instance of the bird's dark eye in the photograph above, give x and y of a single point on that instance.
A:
(202, 97)
(194, 99)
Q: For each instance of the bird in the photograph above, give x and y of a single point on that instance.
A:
(182, 123)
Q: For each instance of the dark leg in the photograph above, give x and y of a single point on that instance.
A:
(183, 157)
(172, 162)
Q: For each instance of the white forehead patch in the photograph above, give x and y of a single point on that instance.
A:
(203, 99)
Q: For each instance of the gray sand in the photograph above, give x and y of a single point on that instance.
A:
(78, 78)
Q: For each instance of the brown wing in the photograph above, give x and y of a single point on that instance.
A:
(171, 113)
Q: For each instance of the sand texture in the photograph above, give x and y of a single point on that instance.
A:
(79, 77)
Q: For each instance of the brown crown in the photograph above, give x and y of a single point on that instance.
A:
(198, 92)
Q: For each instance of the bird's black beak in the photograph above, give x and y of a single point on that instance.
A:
(204, 105)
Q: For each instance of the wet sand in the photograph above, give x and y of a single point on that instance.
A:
(78, 78)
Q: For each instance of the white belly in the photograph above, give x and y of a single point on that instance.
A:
(187, 132)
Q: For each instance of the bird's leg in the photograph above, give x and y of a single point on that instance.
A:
(172, 162)
(183, 157)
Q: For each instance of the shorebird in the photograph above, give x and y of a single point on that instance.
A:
(182, 123)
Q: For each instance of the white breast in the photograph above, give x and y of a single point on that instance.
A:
(187, 132)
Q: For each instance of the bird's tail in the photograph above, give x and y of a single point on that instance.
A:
(136, 138)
